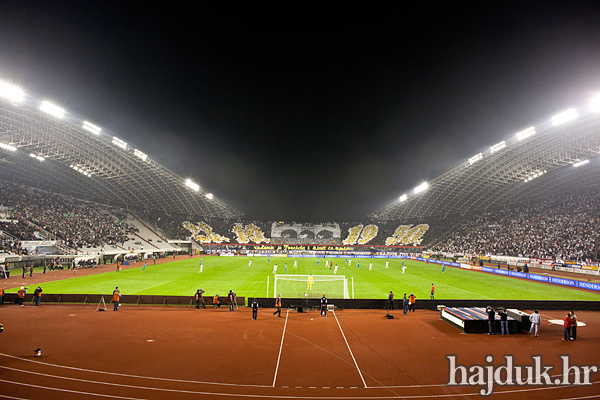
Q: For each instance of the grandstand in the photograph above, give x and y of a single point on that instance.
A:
(557, 156)
(46, 147)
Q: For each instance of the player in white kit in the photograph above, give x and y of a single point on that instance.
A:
(335, 269)
(275, 268)
(387, 264)
(403, 269)
(370, 266)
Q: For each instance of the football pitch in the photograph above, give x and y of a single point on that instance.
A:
(221, 274)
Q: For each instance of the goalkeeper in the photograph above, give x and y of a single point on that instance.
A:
(310, 282)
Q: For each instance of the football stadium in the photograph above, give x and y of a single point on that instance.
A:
(124, 278)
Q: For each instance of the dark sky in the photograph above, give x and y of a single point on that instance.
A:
(304, 111)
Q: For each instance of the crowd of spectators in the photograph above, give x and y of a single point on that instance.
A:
(74, 222)
(565, 229)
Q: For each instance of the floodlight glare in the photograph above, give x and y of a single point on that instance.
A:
(421, 187)
(475, 158)
(209, 196)
(8, 147)
(139, 154)
(526, 133)
(52, 109)
(564, 117)
(119, 142)
(596, 104)
(91, 127)
(498, 146)
(580, 163)
(39, 158)
(403, 197)
(12, 93)
(192, 185)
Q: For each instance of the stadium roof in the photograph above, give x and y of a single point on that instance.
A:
(536, 163)
(46, 147)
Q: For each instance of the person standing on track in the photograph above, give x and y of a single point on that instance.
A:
(216, 301)
(391, 301)
(573, 325)
(536, 320)
(323, 306)
(254, 306)
(411, 302)
(199, 299)
(568, 323)
(116, 297)
(1, 296)
(230, 300)
(491, 320)
(21, 296)
(38, 295)
(404, 304)
(278, 306)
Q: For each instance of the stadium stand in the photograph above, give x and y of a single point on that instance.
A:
(564, 229)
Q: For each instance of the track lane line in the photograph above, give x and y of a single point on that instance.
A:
(281, 346)
(350, 350)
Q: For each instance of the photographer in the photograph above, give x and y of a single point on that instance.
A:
(21, 294)
(38, 295)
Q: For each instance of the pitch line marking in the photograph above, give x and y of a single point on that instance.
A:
(281, 347)
(350, 350)
(146, 288)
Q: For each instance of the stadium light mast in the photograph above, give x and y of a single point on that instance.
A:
(423, 186)
(7, 147)
(53, 110)
(595, 104)
(526, 133)
(88, 126)
(564, 117)
(475, 158)
(498, 146)
(580, 163)
(11, 93)
(189, 183)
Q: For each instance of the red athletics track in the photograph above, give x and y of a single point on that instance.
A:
(184, 353)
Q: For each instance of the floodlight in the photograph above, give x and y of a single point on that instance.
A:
(403, 197)
(119, 142)
(91, 127)
(139, 154)
(39, 158)
(595, 104)
(52, 109)
(11, 92)
(209, 196)
(564, 117)
(526, 133)
(475, 158)
(7, 147)
(421, 187)
(498, 146)
(192, 185)
(580, 163)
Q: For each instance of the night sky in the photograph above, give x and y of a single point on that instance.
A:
(304, 111)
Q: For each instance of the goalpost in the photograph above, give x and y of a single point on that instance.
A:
(297, 286)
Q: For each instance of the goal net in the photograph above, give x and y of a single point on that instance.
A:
(299, 286)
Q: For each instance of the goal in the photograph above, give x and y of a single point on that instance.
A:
(297, 286)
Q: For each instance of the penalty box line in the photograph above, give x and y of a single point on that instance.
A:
(350, 350)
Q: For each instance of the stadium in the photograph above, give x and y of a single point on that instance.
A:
(123, 277)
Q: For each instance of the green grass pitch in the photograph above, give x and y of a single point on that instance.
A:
(220, 274)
